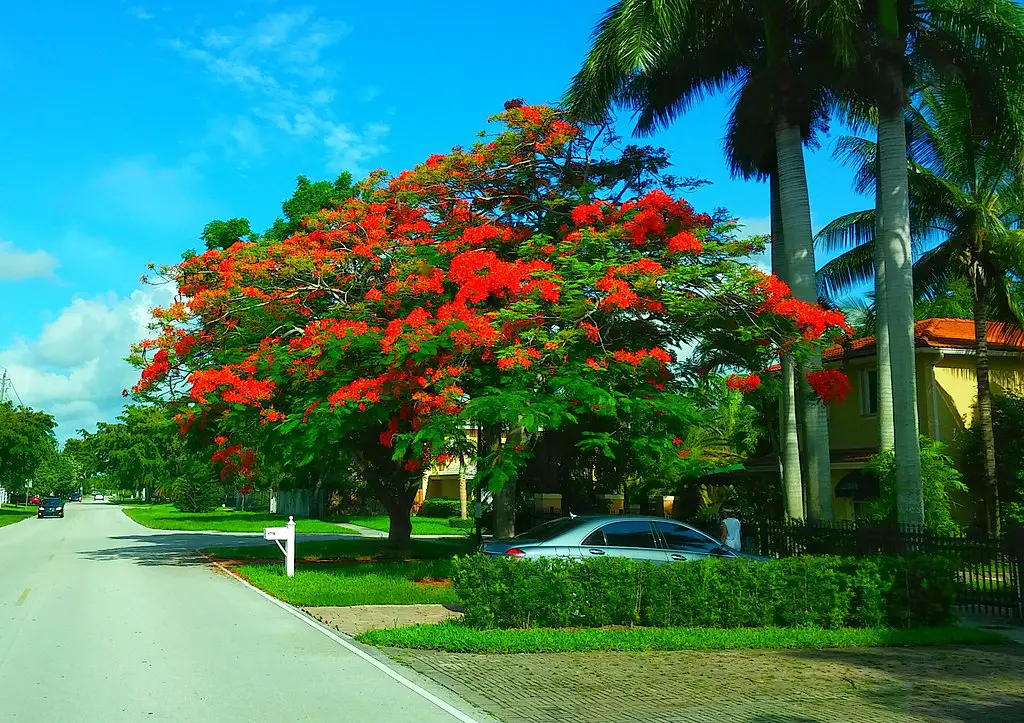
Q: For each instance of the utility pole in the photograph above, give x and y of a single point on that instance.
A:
(3, 388)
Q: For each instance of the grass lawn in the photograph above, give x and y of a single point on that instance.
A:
(457, 638)
(420, 525)
(167, 517)
(9, 514)
(365, 548)
(355, 583)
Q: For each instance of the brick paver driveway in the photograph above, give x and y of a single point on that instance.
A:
(836, 686)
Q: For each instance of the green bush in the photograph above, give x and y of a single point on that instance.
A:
(939, 479)
(820, 591)
(462, 524)
(195, 494)
(439, 507)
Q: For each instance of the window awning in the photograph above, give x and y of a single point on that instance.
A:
(859, 485)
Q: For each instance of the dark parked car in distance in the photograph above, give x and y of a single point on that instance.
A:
(656, 539)
(51, 507)
(75, 497)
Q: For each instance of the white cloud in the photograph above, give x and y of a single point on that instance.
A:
(75, 368)
(757, 226)
(16, 264)
(281, 61)
(142, 189)
(140, 13)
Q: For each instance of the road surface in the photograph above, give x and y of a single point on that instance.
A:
(104, 620)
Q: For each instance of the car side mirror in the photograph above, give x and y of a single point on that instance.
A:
(721, 552)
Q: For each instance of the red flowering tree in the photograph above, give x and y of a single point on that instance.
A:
(490, 285)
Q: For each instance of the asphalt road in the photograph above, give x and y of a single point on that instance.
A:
(104, 620)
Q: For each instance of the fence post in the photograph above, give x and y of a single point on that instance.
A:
(1016, 540)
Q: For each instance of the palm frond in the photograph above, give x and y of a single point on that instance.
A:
(848, 231)
(847, 271)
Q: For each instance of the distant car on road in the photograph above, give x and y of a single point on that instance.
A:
(97, 496)
(51, 507)
(656, 539)
(75, 497)
(33, 500)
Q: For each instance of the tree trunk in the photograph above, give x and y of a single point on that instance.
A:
(399, 509)
(314, 499)
(789, 439)
(988, 441)
(799, 254)
(893, 205)
(505, 498)
(884, 370)
(463, 496)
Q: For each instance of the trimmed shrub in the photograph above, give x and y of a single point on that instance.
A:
(439, 507)
(819, 591)
(462, 524)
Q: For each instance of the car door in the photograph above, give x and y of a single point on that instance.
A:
(634, 539)
(685, 543)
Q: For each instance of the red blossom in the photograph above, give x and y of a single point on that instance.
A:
(745, 384)
(831, 385)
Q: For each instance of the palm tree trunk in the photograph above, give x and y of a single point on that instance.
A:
(894, 236)
(789, 439)
(799, 251)
(988, 441)
(884, 401)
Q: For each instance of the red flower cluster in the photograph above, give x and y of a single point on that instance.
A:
(233, 388)
(745, 384)
(522, 356)
(685, 242)
(831, 385)
(637, 357)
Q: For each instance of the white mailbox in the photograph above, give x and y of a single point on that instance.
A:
(287, 535)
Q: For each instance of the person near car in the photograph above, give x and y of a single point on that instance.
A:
(730, 530)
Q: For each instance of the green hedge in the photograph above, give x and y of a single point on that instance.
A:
(462, 524)
(439, 507)
(826, 592)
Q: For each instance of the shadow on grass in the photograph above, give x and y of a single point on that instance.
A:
(185, 548)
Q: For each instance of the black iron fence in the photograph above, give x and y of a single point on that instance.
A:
(990, 570)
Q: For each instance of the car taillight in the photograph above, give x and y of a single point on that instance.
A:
(515, 552)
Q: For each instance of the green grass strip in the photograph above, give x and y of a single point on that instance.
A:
(366, 547)
(168, 517)
(356, 583)
(10, 515)
(457, 638)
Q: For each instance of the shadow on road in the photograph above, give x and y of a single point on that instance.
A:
(967, 683)
(181, 548)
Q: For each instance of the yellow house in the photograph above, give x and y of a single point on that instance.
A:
(946, 393)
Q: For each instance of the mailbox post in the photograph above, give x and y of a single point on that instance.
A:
(286, 533)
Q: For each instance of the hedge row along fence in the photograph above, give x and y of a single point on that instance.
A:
(826, 592)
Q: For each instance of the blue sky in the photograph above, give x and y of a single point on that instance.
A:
(138, 123)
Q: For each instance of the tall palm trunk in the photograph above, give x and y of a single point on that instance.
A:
(988, 441)
(884, 401)
(789, 438)
(796, 231)
(894, 237)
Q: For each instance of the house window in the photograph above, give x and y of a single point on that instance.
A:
(868, 392)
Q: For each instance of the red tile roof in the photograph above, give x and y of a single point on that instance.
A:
(940, 334)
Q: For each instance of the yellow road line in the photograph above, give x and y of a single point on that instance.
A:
(21, 599)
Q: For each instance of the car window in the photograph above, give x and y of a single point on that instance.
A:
(548, 530)
(680, 537)
(623, 534)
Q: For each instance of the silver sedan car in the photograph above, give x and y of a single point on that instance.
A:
(656, 539)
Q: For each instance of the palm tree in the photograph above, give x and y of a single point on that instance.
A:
(966, 189)
(660, 58)
(884, 43)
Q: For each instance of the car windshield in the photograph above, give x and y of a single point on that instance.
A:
(52, 502)
(546, 531)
